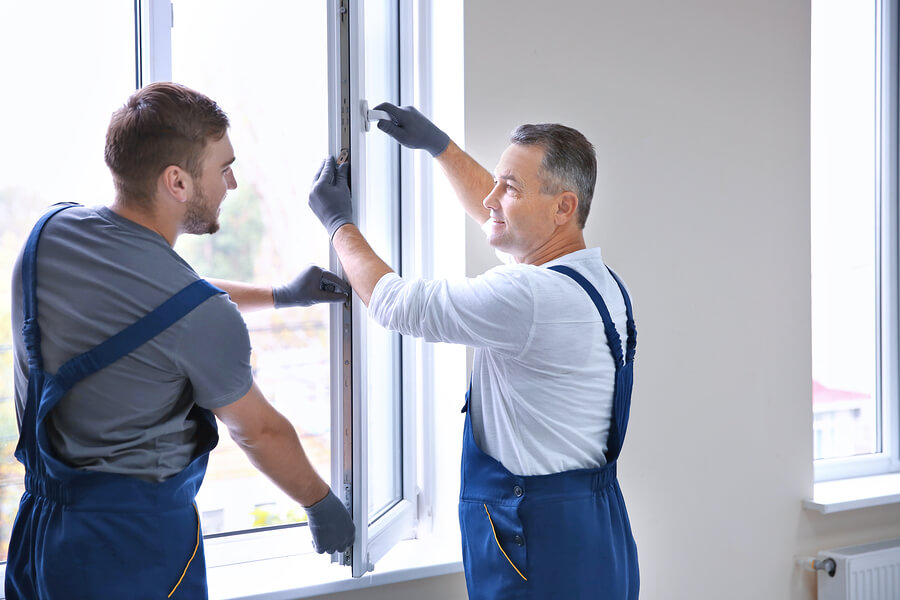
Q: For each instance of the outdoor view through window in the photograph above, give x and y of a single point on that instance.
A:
(79, 67)
(843, 219)
(274, 86)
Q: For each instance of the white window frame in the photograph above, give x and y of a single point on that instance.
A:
(153, 41)
(886, 459)
(348, 329)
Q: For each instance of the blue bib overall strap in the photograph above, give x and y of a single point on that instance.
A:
(30, 332)
(563, 535)
(88, 534)
(624, 364)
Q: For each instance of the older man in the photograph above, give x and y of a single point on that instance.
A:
(541, 512)
(123, 356)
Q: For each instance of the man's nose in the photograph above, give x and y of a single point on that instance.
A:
(490, 200)
(232, 182)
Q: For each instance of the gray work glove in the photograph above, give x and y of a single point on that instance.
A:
(330, 524)
(329, 197)
(313, 285)
(412, 129)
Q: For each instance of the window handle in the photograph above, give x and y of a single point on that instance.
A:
(372, 115)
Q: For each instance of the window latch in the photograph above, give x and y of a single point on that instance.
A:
(372, 115)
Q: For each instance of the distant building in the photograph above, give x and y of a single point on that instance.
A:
(843, 422)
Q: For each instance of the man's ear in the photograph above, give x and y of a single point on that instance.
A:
(566, 207)
(175, 183)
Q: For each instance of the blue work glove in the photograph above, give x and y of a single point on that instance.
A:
(330, 525)
(412, 129)
(329, 197)
(313, 285)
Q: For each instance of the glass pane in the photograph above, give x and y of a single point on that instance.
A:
(382, 229)
(266, 65)
(73, 66)
(843, 215)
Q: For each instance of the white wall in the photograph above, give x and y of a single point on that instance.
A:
(699, 110)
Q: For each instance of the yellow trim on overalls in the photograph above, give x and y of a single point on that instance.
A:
(196, 547)
(498, 543)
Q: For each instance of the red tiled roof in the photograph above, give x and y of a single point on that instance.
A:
(822, 394)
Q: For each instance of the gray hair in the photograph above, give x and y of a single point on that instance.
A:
(569, 162)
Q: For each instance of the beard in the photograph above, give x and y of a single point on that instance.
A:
(200, 217)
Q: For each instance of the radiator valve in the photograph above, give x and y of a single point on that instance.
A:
(815, 564)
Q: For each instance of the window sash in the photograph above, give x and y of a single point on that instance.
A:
(350, 404)
(348, 324)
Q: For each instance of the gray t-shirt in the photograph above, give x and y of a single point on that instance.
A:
(98, 273)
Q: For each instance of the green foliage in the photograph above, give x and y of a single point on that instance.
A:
(229, 253)
(265, 518)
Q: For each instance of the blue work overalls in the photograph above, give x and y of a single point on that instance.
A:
(564, 535)
(86, 534)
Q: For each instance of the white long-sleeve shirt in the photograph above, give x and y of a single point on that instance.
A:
(543, 374)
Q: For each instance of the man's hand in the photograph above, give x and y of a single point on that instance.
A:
(313, 285)
(330, 525)
(412, 129)
(329, 197)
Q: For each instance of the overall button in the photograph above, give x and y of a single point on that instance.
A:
(518, 491)
(519, 540)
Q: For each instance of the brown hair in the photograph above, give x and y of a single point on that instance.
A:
(162, 124)
(569, 162)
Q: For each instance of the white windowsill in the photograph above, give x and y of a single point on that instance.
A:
(308, 575)
(859, 492)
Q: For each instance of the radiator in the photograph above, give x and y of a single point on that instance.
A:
(864, 572)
